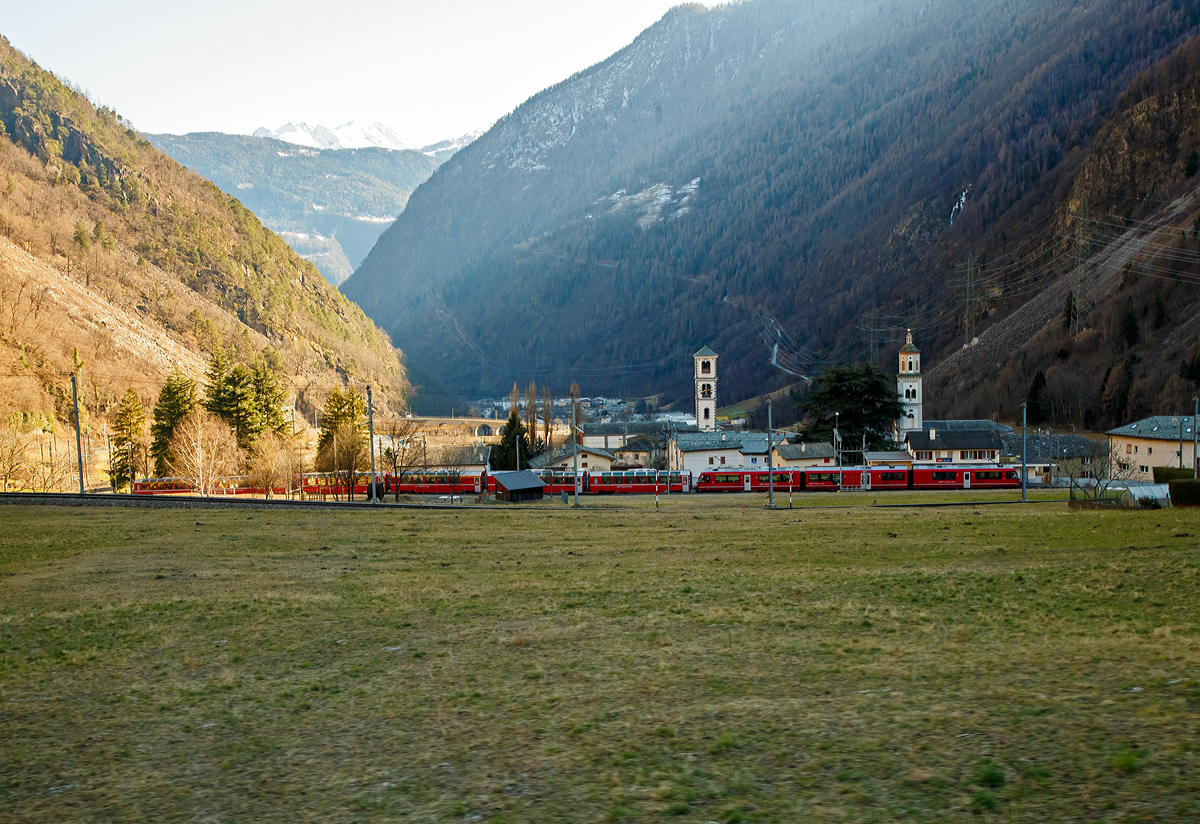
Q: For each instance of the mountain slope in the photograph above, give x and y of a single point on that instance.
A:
(330, 205)
(119, 265)
(1114, 325)
(803, 161)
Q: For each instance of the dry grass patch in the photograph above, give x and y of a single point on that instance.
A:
(705, 661)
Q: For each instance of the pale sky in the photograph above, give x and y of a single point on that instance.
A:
(430, 70)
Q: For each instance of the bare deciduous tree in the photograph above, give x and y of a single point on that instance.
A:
(204, 450)
(14, 457)
(345, 455)
(406, 444)
(268, 464)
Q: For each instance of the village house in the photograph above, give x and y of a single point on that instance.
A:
(956, 442)
(590, 459)
(701, 451)
(1140, 446)
(801, 455)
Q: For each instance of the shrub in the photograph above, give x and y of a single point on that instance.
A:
(1185, 492)
(988, 774)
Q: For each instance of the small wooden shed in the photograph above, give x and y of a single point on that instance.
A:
(518, 487)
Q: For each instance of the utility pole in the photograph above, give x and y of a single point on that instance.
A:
(1024, 470)
(837, 445)
(1179, 422)
(371, 432)
(575, 450)
(770, 460)
(78, 439)
(1195, 414)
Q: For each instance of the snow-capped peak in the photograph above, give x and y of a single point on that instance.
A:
(349, 135)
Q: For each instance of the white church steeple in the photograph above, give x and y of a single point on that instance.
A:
(706, 389)
(908, 386)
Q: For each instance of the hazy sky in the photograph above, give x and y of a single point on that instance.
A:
(430, 70)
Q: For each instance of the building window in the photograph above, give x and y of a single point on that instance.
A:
(722, 459)
(1135, 449)
(1128, 449)
(1149, 450)
(706, 413)
(705, 368)
(1144, 469)
(710, 461)
(754, 460)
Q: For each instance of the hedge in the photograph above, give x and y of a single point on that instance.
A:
(1166, 474)
(1185, 492)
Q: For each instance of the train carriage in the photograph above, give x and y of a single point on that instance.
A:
(640, 482)
(434, 482)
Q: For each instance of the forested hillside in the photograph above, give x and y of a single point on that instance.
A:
(1095, 319)
(118, 265)
(831, 166)
(330, 205)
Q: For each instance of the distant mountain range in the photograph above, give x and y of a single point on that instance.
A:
(353, 135)
(349, 135)
(793, 182)
(329, 192)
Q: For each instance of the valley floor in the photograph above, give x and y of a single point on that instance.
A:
(708, 660)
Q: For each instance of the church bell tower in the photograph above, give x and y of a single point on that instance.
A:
(706, 389)
(908, 386)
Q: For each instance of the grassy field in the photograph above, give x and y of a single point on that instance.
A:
(706, 661)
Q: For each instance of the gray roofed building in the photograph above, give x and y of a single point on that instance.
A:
(889, 458)
(567, 454)
(1047, 448)
(1157, 427)
(968, 425)
(805, 451)
(933, 439)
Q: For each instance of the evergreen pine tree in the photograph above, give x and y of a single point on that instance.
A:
(269, 396)
(865, 400)
(214, 382)
(340, 408)
(504, 454)
(240, 407)
(176, 399)
(129, 440)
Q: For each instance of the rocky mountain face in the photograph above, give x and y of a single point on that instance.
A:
(816, 175)
(1109, 329)
(329, 204)
(119, 266)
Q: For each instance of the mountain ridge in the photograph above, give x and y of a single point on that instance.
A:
(108, 242)
(330, 205)
(851, 158)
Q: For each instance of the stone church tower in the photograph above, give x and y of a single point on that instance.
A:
(706, 389)
(908, 385)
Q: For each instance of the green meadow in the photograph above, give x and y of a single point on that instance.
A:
(708, 660)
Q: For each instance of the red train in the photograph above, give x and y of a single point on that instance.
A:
(230, 485)
(322, 485)
(824, 479)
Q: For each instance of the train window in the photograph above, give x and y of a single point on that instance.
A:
(988, 475)
(1012, 475)
(893, 476)
(945, 476)
(727, 479)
